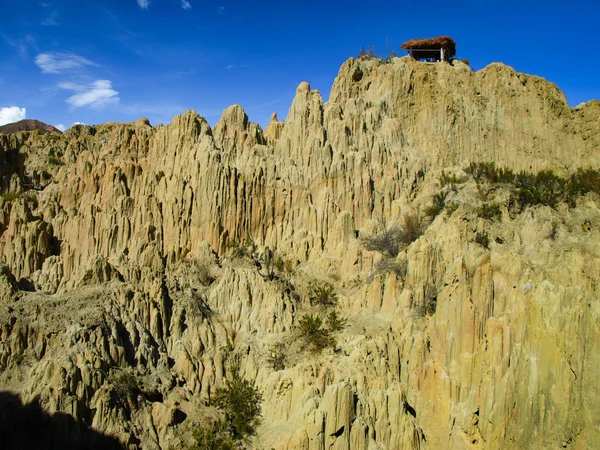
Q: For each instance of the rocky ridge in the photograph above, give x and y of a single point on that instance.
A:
(28, 125)
(135, 270)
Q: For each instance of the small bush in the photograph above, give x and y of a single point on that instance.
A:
(482, 239)
(213, 436)
(278, 357)
(490, 211)
(450, 180)
(390, 241)
(125, 383)
(543, 188)
(451, 207)
(312, 331)
(428, 306)
(487, 171)
(11, 196)
(437, 205)
(198, 307)
(335, 323)
(368, 53)
(240, 402)
(53, 161)
(322, 294)
(242, 249)
(390, 265)
(203, 272)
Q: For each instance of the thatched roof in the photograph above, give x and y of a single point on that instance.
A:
(445, 42)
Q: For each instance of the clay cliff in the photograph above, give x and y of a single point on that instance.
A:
(140, 263)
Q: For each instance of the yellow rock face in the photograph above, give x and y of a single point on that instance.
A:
(140, 263)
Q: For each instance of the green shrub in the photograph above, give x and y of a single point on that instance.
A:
(213, 436)
(451, 207)
(312, 331)
(322, 293)
(487, 171)
(490, 211)
(543, 188)
(335, 322)
(240, 402)
(450, 180)
(582, 182)
(437, 205)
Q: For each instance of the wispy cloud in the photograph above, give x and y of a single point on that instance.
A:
(185, 4)
(143, 3)
(60, 127)
(22, 46)
(50, 20)
(97, 94)
(220, 10)
(231, 66)
(60, 62)
(12, 114)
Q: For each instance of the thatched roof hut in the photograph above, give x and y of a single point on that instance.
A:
(441, 48)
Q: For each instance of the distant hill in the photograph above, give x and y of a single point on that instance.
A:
(28, 125)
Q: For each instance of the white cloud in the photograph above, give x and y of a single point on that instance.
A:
(77, 123)
(220, 10)
(58, 62)
(143, 3)
(51, 19)
(12, 114)
(231, 66)
(97, 94)
(185, 4)
(60, 127)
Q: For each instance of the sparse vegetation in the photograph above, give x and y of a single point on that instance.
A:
(53, 161)
(487, 171)
(240, 402)
(314, 334)
(198, 306)
(450, 180)
(390, 241)
(428, 305)
(490, 211)
(213, 436)
(437, 205)
(278, 357)
(335, 323)
(10, 196)
(322, 293)
(543, 188)
(391, 265)
(482, 238)
(125, 383)
(242, 249)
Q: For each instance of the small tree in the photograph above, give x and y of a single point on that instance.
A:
(322, 294)
(213, 436)
(240, 402)
(312, 330)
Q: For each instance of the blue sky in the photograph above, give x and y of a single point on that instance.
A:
(95, 61)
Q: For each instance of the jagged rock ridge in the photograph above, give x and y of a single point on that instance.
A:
(116, 227)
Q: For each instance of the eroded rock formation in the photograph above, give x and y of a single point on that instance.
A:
(126, 289)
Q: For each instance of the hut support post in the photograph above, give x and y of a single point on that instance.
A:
(442, 53)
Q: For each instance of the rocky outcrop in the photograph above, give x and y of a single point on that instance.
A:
(140, 263)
